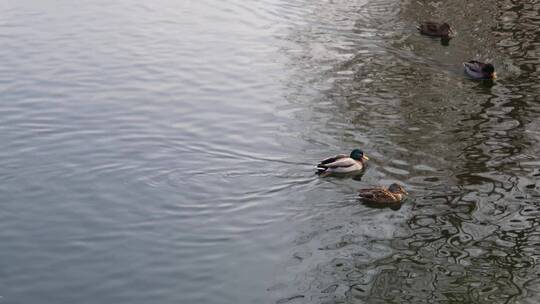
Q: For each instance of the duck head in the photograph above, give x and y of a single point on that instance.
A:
(359, 155)
(489, 71)
(397, 189)
(445, 30)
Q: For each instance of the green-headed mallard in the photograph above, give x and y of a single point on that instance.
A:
(342, 163)
(380, 195)
(479, 70)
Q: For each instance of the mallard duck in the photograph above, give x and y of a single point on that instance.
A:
(479, 70)
(436, 29)
(342, 163)
(391, 195)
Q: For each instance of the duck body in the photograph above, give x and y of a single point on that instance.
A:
(435, 29)
(479, 70)
(342, 164)
(383, 196)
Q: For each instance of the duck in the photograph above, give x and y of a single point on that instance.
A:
(394, 194)
(436, 29)
(479, 70)
(342, 164)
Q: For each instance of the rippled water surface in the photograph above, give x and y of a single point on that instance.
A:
(162, 152)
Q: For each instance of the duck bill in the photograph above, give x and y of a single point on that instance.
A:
(365, 157)
(494, 75)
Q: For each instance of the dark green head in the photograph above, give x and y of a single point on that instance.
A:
(489, 71)
(358, 154)
(488, 68)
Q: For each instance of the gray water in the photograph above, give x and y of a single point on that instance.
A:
(163, 152)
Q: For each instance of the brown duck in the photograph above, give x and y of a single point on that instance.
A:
(436, 29)
(380, 195)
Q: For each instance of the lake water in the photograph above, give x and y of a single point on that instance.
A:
(164, 151)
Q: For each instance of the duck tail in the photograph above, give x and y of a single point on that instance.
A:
(321, 169)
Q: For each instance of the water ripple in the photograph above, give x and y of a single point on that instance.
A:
(152, 151)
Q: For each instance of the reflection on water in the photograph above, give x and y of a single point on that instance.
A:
(164, 152)
(467, 149)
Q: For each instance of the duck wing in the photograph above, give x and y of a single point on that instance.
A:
(378, 195)
(332, 159)
(474, 66)
(429, 28)
(342, 162)
(474, 69)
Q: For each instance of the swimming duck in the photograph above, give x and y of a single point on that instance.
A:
(479, 70)
(435, 29)
(391, 195)
(342, 163)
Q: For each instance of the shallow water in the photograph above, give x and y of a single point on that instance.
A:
(163, 152)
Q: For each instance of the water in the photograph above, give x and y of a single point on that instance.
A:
(163, 152)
